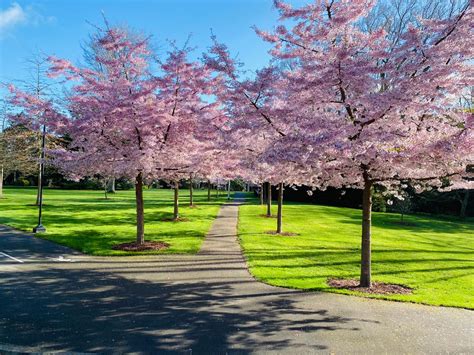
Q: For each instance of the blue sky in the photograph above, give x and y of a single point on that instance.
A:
(58, 27)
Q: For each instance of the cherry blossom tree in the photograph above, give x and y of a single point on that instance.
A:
(142, 125)
(182, 88)
(122, 120)
(259, 119)
(366, 111)
(115, 120)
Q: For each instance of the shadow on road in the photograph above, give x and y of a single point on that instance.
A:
(88, 310)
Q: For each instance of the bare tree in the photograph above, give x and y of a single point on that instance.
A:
(37, 82)
(396, 15)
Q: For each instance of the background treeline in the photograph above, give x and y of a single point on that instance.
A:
(458, 203)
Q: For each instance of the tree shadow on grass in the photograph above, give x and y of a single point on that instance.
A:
(97, 218)
(334, 262)
(417, 223)
(98, 242)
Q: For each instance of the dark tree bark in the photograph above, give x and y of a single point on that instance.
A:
(269, 199)
(209, 186)
(176, 201)
(106, 182)
(1, 181)
(262, 188)
(464, 203)
(280, 208)
(111, 186)
(140, 213)
(191, 200)
(365, 265)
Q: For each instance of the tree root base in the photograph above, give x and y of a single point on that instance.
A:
(134, 246)
(179, 219)
(379, 288)
(283, 234)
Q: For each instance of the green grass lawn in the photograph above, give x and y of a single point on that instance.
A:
(84, 220)
(433, 256)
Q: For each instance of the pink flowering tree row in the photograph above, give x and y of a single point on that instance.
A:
(339, 106)
(350, 108)
(122, 119)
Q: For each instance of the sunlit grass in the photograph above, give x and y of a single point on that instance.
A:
(84, 220)
(434, 256)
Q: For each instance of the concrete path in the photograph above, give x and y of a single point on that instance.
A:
(198, 304)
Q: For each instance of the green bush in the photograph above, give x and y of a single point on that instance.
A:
(124, 184)
(23, 182)
(379, 204)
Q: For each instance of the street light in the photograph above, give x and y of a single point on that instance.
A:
(40, 228)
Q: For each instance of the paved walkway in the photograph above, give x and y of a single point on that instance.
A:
(201, 304)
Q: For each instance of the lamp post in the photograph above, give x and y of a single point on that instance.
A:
(40, 228)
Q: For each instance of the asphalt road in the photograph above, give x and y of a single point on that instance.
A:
(53, 299)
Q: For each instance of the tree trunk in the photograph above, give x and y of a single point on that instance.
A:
(191, 200)
(217, 189)
(365, 265)
(464, 203)
(176, 201)
(228, 190)
(106, 183)
(111, 186)
(1, 181)
(262, 188)
(280, 208)
(209, 190)
(140, 214)
(269, 199)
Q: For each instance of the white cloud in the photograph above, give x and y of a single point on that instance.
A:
(16, 15)
(12, 16)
